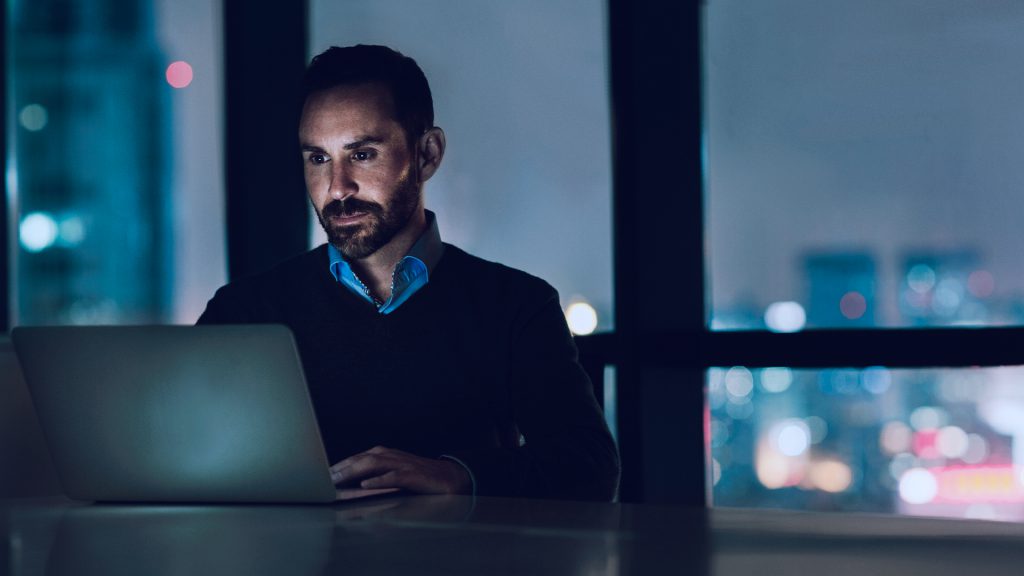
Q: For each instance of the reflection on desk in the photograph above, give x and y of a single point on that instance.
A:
(461, 535)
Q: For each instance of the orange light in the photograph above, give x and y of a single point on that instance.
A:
(979, 484)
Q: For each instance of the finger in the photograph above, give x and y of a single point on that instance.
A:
(362, 466)
(390, 479)
(376, 451)
(413, 479)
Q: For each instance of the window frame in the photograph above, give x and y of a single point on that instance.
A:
(663, 346)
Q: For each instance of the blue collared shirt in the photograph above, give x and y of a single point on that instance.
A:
(410, 274)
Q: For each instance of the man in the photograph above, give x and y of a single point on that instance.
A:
(430, 370)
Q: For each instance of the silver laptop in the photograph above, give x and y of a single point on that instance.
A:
(177, 413)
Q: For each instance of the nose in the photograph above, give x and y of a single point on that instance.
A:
(341, 185)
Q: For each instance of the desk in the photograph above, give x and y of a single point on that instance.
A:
(492, 536)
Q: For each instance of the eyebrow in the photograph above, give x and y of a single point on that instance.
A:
(363, 142)
(350, 146)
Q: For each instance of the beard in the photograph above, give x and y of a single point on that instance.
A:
(381, 224)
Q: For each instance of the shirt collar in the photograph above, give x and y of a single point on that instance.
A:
(428, 247)
(426, 252)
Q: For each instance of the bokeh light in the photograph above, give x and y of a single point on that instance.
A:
(71, 231)
(948, 296)
(918, 486)
(895, 437)
(928, 418)
(977, 449)
(33, 117)
(581, 317)
(792, 437)
(831, 476)
(38, 231)
(853, 305)
(952, 442)
(876, 379)
(776, 379)
(773, 470)
(179, 74)
(785, 317)
(981, 283)
(739, 382)
(818, 428)
(921, 278)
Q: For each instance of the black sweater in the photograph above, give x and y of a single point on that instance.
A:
(478, 364)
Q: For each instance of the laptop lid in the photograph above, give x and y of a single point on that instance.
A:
(176, 413)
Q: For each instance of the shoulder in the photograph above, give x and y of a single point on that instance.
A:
(297, 269)
(258, 297)
(502, 294)
(495, 277)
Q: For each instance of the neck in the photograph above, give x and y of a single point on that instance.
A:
(376, 269)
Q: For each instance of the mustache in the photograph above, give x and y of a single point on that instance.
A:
(349, 207)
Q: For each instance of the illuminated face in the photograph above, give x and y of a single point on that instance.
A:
(359, 167)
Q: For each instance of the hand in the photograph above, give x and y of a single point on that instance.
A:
(381, 467)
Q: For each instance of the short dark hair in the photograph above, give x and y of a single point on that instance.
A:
(363, 64)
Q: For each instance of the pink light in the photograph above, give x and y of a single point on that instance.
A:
(981, 283)
(179, 74)
(853, 305)
(924, 444)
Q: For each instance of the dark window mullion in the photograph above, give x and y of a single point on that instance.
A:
(895, 348)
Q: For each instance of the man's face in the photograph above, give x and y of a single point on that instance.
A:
(359, 167)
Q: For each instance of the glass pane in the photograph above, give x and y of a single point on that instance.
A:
(929, 442)
(862, 163)
(521, 90)
(115, 167)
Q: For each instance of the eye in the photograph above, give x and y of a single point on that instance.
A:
(364, 155)
(317, 158)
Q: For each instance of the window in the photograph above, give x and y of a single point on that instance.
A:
(859, 175)
(521, 92)
(115, 162)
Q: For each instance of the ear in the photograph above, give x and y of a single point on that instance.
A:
(431, 151)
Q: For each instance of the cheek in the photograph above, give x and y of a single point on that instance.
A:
(316, 182)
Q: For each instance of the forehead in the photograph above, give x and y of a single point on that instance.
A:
(363, 108)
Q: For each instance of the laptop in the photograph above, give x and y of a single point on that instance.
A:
(177, 414)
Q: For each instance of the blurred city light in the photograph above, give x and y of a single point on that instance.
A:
(831, 476)
(928, 418)
(581, 317)
(921, 278)
(900, 464)
(785, 317)
(978, 484)
(952, 442)
(179, 74)
(977, 449)
(853, 305)
(876, 379)
(71, 230)
(918, 486)
(925, 444)
(33, 117)
(1007, 417)
(773, 469)
(739, 382)
(792, 437)
(776, 379)
(981, 283)
(948, 296)
(37, 231)
(896, 437)
(818, 428)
